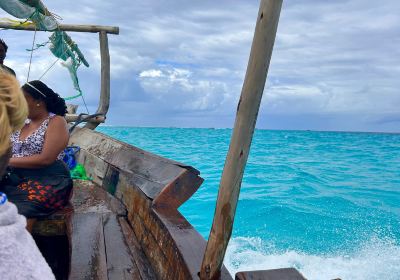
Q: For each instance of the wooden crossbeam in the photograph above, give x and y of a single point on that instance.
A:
(65, 27)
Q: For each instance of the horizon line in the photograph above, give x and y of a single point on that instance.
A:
(270, 129)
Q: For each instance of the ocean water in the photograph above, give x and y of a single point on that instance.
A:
(326, 203)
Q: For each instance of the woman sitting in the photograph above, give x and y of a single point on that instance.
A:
(38, 181)
(20, 258)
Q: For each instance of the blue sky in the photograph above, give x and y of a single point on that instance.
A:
(335, 64)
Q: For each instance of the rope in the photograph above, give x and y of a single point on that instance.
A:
(38, 46)
(82, 118)
(52, 65)
(30, 61)
(84, 102)
(72, 97)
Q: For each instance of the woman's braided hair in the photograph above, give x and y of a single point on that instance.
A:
(40, 91)
(13, 108)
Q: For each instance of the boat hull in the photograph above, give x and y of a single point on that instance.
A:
(151, 188)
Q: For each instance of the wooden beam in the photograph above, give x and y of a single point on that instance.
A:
(88, 254)
(246, 117)
(104, 103)
(273, 274)
(73, 118)
(66, 27)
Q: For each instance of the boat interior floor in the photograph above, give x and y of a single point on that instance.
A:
(91, 238)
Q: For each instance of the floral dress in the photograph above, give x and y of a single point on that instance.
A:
(41, 191)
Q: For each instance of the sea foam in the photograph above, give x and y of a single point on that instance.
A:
(376, 259)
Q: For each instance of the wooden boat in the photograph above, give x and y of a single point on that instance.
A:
(124, 223)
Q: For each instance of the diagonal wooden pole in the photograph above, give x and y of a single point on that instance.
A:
(246, 117)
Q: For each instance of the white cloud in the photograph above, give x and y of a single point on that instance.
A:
(182, 90)
(151, 74)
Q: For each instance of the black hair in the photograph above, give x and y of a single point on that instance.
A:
(4, 45)
(39, 91)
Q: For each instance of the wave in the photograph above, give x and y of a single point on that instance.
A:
(376, 259)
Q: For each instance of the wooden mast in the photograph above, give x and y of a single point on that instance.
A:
(246, 116)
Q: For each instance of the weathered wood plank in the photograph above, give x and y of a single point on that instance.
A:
(88, 256)
(190, 243)
(273, 274)
(156, 257)
(99, 152)
(144, 170)
(74, 117)
(120, 263)
(178, 191)
(169, 242)
(50, 227)
(88, 197)
(142, 264)
(152, 236)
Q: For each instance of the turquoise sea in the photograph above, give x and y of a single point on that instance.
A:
(327, 203)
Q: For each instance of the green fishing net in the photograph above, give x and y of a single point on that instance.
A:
(61, 45)
(64, 48)
(33, 10)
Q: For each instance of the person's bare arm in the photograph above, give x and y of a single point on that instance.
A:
(56, 140)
